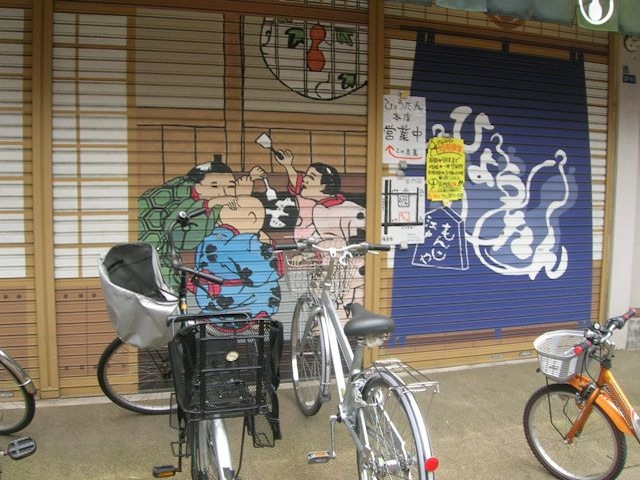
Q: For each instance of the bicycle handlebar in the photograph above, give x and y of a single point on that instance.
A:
(620, 321)
(597, 335)
(196, 273)
(287, 246)
(184, 220)
(309, 244)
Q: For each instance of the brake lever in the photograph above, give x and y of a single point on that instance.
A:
(343, 258)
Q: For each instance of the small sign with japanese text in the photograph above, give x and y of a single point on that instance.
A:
(404, 135)
(403, 210)
(445, 169)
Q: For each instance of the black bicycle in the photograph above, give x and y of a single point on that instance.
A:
(222, 367)
(215, 366)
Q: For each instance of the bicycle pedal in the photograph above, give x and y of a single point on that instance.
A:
(321, 456)
(164, 471)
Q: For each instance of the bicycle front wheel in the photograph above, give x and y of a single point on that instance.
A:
(392, 428)
(137, 379)
(17, 406)
(598, 452)
(308, 357)
(210, 452)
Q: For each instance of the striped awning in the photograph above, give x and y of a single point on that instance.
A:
(610, 15)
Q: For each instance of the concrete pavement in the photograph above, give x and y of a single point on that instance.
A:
(475, 422)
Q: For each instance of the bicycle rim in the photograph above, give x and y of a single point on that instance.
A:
(137, 379)
(17, 406)
(308, 357)
(392, 426)
(597, 453)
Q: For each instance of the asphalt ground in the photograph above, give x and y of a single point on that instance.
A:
(475, 423)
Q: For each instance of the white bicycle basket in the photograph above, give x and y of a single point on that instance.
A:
(556, 357)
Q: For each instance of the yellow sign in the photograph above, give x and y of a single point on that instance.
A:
(445, 170)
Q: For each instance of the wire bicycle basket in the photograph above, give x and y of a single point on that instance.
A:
(306, 273)
(556, 357)
(222, 369)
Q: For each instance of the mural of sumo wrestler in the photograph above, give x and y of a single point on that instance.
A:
(227, 240)
(245, 214)
(235, 237)
(325, 213)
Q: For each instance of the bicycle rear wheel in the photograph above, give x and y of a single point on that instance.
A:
(137, 379)
(17, 406)
(308, 357)
(597, 453)
(392, 426)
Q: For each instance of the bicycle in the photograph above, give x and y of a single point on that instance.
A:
(376, 405)
(576, 427)
(17, 396)
(222, 368)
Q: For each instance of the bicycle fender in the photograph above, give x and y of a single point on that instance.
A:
(18, 371)
(605, 402)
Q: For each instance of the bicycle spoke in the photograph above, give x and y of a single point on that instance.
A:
(393, 440)
(137, 379)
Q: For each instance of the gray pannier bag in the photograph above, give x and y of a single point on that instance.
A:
(137, 298)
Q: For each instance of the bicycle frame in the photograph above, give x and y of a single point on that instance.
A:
(609, 396)
(338, 343)
(339, 348)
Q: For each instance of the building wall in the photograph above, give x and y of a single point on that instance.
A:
(140, 96)
(624, 280)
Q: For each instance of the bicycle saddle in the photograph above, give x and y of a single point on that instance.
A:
(363, 322)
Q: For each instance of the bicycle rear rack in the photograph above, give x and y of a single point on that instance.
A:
(415, 382)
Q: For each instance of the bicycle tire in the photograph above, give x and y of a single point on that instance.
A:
(211, 453)
(309, 357)
(17, 405)
(597, 453)
(392, 427)
(136, 379)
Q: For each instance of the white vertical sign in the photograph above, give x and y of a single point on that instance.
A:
(404, 130)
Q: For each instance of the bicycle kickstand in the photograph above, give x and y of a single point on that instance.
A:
(323, 456)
